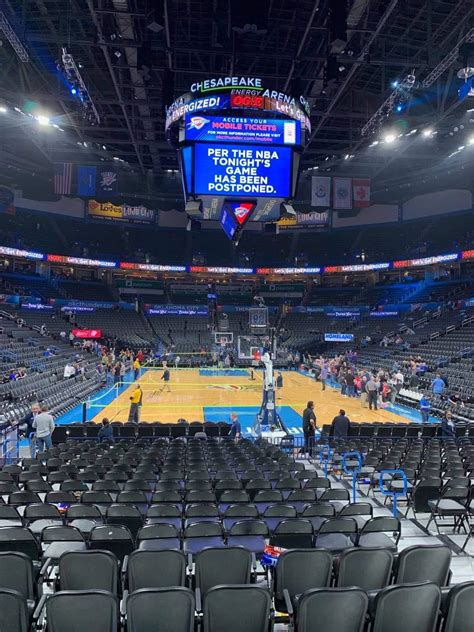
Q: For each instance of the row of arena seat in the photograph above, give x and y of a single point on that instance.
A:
(164, 590)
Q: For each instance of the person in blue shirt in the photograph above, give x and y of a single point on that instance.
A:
(235, 429)
(106, 433)
(425, 407)
(438, 385)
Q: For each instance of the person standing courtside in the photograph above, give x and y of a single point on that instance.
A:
(323, 376)
(135, 405)
(309, 427)
(372, 392)
(166, 379)
(340, 425)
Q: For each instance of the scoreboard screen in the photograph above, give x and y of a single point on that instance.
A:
(242, 170)
(237, 129)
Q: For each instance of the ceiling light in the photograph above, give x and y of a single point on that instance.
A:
(394, 84)
(375, 142)
(390, 138)
(104, 147)
(3, 109)
(427, 132)
(461, 147)
(471, 140)
(42, 120)
(346, 157)
(116, 158)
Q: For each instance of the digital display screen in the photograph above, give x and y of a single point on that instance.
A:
(243, 170)
(239, 129)
(330, 337)
(228, 222)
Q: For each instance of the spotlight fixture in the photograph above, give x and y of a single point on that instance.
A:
(3, 109)
(73, 91)
(390, 138)
(42, 120)
(471, 140)
(427, 132)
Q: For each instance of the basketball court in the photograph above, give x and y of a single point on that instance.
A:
(213, 394)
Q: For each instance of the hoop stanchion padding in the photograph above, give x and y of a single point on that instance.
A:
(353, 470)
(389, 492)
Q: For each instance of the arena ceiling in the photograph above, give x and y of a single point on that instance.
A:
(136, 55)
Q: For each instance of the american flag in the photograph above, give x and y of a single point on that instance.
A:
(63, 178)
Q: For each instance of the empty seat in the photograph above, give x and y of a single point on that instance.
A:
(76, 611)
(409, 607)
(299, 570)
(164, 609)
(369, 569)
(13, 612)
(88, 570)
(332, 610)
(424, 563)
(459, 610)
(114, 538)
(230, 565)
(236, 609)
(155, 569)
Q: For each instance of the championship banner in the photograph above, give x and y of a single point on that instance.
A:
(361, 192)
(320, 191)
(342, 193)
(121, 213)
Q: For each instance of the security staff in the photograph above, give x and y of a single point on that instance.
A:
(135, 405)
(309, 427)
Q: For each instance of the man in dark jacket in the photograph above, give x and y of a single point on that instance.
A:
(448, 427)
(340, 425)
(309, 427)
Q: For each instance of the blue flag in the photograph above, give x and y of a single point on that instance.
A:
(86, 180)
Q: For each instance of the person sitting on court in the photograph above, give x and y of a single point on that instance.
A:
(166, 378)
(106, 432)
(340, 425)
(136, 402)
(235, 429)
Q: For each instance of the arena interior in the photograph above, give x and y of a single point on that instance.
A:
(236, 316)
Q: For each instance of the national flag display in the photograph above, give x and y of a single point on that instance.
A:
(361, 192)
(86, 180)
(62, 178)
(342, 193)
(320, 191)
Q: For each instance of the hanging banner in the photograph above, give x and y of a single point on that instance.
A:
(107, 183)
(320, 191)
(361, 192)
(342, 193)
(121, 213)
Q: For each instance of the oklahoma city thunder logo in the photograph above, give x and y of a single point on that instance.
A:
(197, 122)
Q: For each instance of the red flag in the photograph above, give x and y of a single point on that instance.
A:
(361, 192)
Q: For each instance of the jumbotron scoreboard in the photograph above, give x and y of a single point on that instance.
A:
(239, 146)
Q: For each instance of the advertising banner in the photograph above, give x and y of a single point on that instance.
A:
(338, 337)
(177, 310)
(87, 333)
(121, 213)
(238, 129)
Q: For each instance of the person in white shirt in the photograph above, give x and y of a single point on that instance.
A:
(69, 371)
(44, 424)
